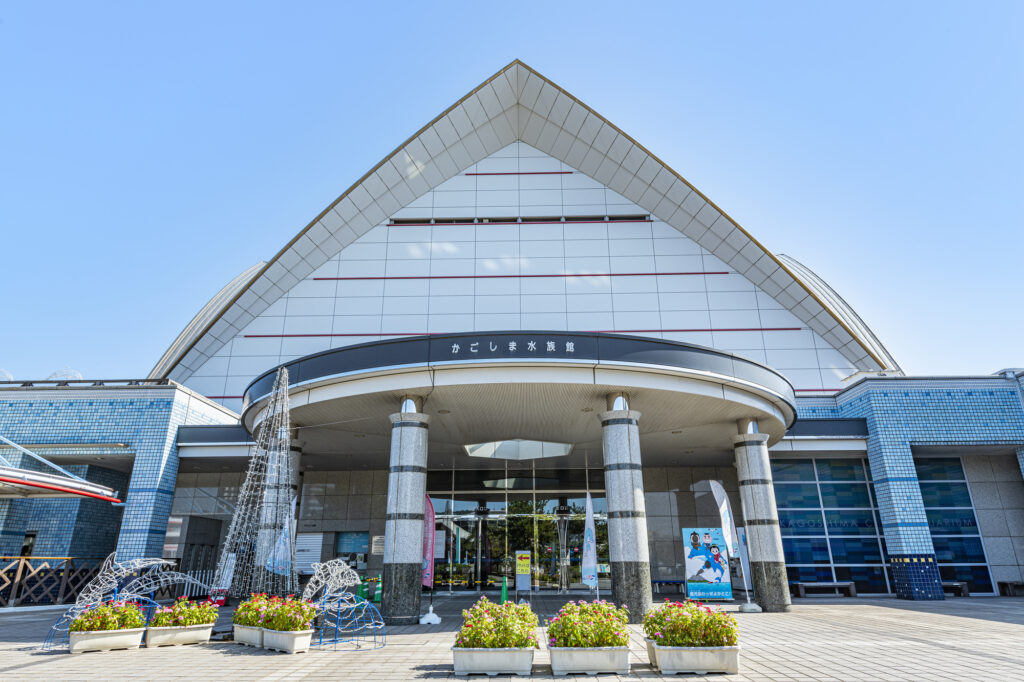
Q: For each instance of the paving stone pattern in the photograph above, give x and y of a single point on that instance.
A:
(820, 639)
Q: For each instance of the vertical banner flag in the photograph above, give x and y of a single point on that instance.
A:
(428, 543)
(707, 564)
(725, 512)
(280, 559)
(589, 567)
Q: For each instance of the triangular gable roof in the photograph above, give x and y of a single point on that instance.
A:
(517, 104)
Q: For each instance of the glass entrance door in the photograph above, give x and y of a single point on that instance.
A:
(485, 516)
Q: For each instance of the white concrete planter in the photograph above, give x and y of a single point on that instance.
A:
(287, 641)
(694, 659)
(589, 660)
(174, 635)
(249, 635)
(493, 661)
(104, 640)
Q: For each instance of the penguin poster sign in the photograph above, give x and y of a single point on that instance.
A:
(707, 564)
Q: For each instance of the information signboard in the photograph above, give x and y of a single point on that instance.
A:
(707, 564)
(523, 570)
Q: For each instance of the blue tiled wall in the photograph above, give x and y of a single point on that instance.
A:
(905, 412)
(145, 421)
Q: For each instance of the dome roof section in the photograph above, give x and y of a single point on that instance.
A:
(200, 323)
(517, 104)
(840, 310)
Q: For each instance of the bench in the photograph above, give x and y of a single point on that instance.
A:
(1008, 588)
(659, 583)
(959, 589)
(847, 587)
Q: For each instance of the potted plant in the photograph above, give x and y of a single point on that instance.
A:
(692, 638)
(496, 639)
(111, 625)
(248, 620)
(288, 626)
(184, 622)
(589, 637)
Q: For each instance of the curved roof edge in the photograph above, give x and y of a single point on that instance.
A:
(195, 328)
(842, 310)
(516, 104)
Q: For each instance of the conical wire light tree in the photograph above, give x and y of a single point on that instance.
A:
(259, 552)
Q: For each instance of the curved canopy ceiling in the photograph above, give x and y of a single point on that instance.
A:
(515, 104)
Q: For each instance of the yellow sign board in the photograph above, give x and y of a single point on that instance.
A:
(523, 571)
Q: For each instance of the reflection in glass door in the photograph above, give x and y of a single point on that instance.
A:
(484, 516)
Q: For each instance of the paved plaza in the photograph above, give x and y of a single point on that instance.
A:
(820, 639)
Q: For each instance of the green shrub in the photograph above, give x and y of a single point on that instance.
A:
(498, 626)
(113, 615)
(589, 624)
(184, 613)
(690, 624)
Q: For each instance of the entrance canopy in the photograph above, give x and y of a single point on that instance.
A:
(530, 385)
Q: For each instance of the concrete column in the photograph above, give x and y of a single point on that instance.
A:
(403, 526)
(761, 520)
(627, 519)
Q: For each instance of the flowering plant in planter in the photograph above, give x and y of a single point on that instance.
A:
(496, 639)
(589, 624)
(184, 613)
(498, 626)
(690, 624)
(691, 637)
(252, 612)
(113, 615)
(289, 614)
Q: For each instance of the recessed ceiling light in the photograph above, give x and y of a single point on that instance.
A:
(359, 435)
(677, 432)
(587, 409)
(444, 411)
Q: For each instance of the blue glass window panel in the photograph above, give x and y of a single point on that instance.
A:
(855, 551)
(850, 522)
(840, 469)
(809, 574)
(945, 494)
(965, 550)
(867, 579)
(792, 470)
(796, 495)
(805, 550)
(845, 495)
(801, 522)
(977, 577)
(952, 522)
(939, 469)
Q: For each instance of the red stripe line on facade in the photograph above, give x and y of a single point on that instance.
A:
(526, 173)
(223, 397)
(815, 390)
(595, 331)
(58, 488)
(581, 274)
(526, 222)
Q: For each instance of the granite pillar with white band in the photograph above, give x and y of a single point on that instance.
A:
(627, 520)
(403, 526)
(761, 520)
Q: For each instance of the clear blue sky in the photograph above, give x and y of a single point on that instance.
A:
(149, 152)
